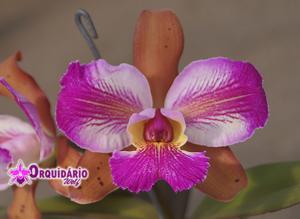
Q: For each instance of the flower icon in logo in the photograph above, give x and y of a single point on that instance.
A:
(19, 175)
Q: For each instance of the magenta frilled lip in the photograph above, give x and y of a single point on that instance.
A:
(21, 140)
(214, 102)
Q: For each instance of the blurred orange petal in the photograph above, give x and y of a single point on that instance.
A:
(158, 44)
(66, 156)
(99, 183)
(226, 176)
(26, 85)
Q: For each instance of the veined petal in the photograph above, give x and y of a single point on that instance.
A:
(223, 101)
(140, 170)
(46, 142)
(5, 160)
(96, 102)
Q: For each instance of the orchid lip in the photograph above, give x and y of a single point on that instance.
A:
(158, 129)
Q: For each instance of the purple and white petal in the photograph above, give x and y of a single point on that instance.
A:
(11, 127)
(96, 101)
(19, 139)
(5, 160)
(25, 147)
(140, 170)
(46, 142)
(223, 101)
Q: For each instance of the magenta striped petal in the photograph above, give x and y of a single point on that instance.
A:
(46, 142)
(96, 101)
(223, 101)
(140, 170)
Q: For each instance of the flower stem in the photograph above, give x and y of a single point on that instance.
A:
(156, 204)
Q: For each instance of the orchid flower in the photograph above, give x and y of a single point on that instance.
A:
(20, 140)
(214, 102)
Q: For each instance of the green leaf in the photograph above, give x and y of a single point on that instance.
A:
(88, 216)
(271, 187)
(112, 207)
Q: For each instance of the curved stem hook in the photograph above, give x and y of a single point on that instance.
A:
(88, 32)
